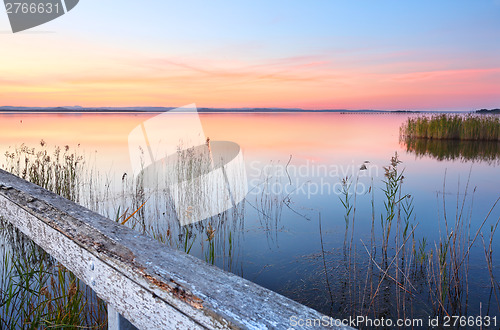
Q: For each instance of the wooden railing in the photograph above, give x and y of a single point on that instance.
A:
(144, 282)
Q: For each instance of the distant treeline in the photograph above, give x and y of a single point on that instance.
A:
(486, 111)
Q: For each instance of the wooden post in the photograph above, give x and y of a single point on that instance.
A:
(152, 285)
(118, 322)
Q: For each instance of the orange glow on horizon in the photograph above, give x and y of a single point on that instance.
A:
(93, 79)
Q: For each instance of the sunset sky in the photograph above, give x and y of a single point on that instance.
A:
(325, 54)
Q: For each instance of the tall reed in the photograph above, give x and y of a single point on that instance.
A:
(36, 291)
(411, 277)
(453, 127)
(59, 171)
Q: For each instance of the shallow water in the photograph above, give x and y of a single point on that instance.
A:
(294, 164)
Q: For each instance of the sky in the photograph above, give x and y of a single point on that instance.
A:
(322, 54)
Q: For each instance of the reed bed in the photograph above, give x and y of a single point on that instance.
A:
(35, 290)
(59, 171)
(453, 127)
(390, 274)
(148, 204)
(421, 276)
(38, 292)
(397, 271)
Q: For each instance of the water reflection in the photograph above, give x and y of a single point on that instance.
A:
(273, 237)
(202, 181)
(479, 151)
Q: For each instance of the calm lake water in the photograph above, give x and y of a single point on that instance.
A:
(289, 233)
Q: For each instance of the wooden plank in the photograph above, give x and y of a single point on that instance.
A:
(150, 284)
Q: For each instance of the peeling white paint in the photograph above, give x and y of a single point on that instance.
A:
(150, 284)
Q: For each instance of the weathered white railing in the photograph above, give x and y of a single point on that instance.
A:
(151, 285)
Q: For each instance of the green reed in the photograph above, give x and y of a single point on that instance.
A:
(452, 127)
(413, 273)
(392, 192)
(147, 210)
(146, 204)
(58, 171)
(36, 291)
(407, 270)
(345, 198)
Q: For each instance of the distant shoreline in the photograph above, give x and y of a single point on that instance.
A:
(79, 110)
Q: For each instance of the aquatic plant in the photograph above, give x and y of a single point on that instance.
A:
(37, 291)
(452, 127)
(59, 171)
(345, 198)
(392, 191)
(412, 276)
